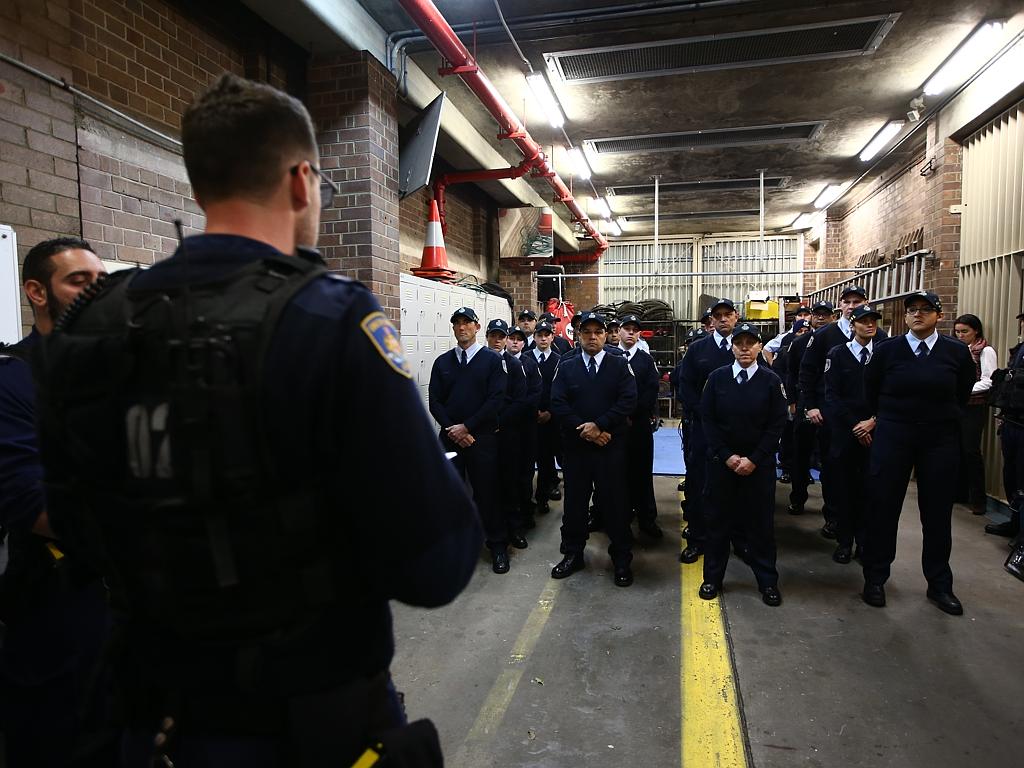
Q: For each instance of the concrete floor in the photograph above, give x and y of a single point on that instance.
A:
(525, 671)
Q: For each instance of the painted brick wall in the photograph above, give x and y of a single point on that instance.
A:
(516, 277)
(582, 293)
(354, 106)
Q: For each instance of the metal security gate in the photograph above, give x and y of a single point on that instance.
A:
(992, 246)
(739, 256)
(638, 259)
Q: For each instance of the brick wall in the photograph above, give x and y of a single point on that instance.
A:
(471, 241)
(516, 277)
(582, 293)
(354, 105)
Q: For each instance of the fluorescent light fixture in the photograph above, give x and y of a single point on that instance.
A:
(830, 194)
(966, 60)
(579, 164)
(614, 229)
(881, 140)
(599, 206)
(803, 221)
(539, 85)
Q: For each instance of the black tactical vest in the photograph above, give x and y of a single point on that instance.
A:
(152, 423)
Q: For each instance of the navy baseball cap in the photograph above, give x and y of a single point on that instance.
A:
(544, 325)
(722, 303)
(803, 308)
(706, 315)
(865, 310)
(695, 333)
(592, 317)
(546, 316)
(575, 319)
(529, 314)
(466, 312)
(515, 329)
(857, 289)
(930, 296)
(800, 324)
(746, 329)
(823, 306)
(631, 319)
(613, 321)
(498, 325)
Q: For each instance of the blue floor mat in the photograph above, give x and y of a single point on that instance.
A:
(668, 454)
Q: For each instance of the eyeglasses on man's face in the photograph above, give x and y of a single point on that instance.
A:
(920, 310)
(328, 188)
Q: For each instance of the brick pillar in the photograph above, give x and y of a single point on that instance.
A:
(354, 105)
(942, 228)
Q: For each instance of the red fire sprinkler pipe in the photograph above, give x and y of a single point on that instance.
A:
(437, 29)
(487, 175)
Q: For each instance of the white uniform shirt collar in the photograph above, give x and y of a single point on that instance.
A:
(844, 326)
(476, 347)
(628, 353)
(599, 358)
(719, 337)
(537, 353)
(736, 368)
(855, 347)
(914, 342)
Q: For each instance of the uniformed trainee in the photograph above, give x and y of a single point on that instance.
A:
(516, 343)
(852, 423)
(253, 391)
(916, 386)
(53, 606)
(592, 396)
(639, 466)
(743, 410)
(547, 430)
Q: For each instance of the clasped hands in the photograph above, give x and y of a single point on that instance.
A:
(741, 465)
(592, 433)
(459, 435)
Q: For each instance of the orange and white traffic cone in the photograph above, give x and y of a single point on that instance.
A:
(435, 258)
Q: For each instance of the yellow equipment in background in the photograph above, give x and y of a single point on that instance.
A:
(758, 306)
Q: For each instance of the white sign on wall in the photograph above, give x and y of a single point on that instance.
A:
(10, 287)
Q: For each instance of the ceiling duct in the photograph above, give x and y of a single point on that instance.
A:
(771, 183)
(731, 50)
(783, 133)
(689, 215)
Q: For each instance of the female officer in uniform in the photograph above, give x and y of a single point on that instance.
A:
(743, 410)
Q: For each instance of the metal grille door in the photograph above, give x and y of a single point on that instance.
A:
(743, 255)
(638, 259)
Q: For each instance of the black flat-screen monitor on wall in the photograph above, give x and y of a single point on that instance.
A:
(416, 155)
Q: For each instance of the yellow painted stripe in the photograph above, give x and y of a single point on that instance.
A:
(496, 704)
(712, 730)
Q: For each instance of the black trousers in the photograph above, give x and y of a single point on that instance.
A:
(527, 459)
(592, 469)
(741, 502)
(972, 464)
(1011, 440)
(807, 436)
(850, 459)
(932, 451)
(786, 447)
(547, 448)
(479, 464)
(695, 454)
(639, 471)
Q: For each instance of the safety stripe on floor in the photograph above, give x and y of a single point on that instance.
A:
(712, 733)
(475, 747)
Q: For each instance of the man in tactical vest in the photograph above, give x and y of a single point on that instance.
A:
(204, 424)
(54, 609)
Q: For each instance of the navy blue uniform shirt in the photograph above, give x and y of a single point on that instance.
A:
(547, 372)
(607, 399)
(340, 408)
(743, 419)
(646, 373)
(811, 377)
(702, 357)
(21, 474)
(471, 394)
(515, 407)
(845, 401)
(534, 383)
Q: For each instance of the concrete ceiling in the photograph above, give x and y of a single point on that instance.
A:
(853, 96)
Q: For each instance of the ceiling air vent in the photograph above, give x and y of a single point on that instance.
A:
(771, 183)
(785, 133)
(731, 50)
(734, 214)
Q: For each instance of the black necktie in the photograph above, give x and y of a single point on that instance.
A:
(465, 358)
(922, 350)
(592, 368)
(724, 344)
(864, 354)
(743, 376)
(543, 357)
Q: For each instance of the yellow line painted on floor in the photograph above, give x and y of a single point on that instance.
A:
(496, 704)
(712, 729)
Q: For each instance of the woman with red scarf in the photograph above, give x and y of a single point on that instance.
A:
(969, 330)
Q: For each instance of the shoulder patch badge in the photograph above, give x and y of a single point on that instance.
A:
(384, 337)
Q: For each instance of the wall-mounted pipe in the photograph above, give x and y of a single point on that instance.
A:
(426, 15)
(461, 177)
